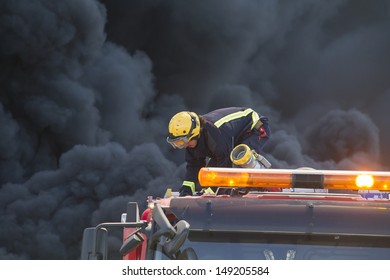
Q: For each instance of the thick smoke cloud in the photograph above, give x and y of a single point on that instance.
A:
(87, 89)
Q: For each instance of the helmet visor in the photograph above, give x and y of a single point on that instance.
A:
(179, 142)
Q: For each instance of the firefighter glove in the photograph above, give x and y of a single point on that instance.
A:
(185, 190)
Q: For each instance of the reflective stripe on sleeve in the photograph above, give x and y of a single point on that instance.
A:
(255, 119)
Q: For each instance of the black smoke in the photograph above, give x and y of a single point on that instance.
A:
(87, 89)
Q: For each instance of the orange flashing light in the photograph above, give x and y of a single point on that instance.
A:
(364, 180)
(294, 178)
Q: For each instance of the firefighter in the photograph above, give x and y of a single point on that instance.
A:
(212, 137)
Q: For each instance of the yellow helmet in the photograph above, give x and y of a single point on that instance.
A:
(183, 127)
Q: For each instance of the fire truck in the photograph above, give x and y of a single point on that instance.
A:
(258, 214)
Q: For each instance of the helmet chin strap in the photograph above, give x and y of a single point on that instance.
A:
(193, 126)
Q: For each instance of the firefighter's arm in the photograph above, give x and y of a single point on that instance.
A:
(190, 184)
(263, 127)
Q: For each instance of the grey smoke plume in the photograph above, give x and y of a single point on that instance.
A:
(87, 89)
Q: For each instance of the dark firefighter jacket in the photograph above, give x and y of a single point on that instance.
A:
(222, 130)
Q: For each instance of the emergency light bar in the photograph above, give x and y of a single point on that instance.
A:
(294, 178)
